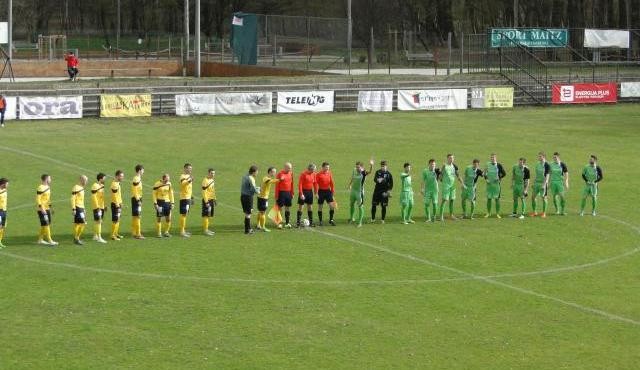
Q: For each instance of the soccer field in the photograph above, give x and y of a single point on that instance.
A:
(554, 293)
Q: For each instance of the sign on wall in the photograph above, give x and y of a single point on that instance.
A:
(225, 104)
(375, 101)
(529, 37)
(50, 107)
(432, 99)
(114, 106)
(584, 93)
(305, 101)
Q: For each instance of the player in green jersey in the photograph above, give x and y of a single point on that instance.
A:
(520, 176)
(356, 186)
(449, 176)
(429, 190)
(493, 174)
(540, 186)
(559, 183)
(471, 175)
(406, 195)
(592, 175)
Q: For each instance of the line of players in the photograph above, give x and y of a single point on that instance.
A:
(438, 188)
(162, 196)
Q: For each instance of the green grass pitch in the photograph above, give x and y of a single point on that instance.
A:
(559, 293)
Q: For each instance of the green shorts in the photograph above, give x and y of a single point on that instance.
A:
(590, 190)
(406, 198)
(518, 191)
(469, 194)
(356, 197)
(430, 197)
(557, 188)
(493, 190)
(539, 190)
(449, 193)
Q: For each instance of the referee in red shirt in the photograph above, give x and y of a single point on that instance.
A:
(325, 190)
(306, 193)
(284, 192)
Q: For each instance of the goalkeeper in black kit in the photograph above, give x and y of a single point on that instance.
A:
(382, 192)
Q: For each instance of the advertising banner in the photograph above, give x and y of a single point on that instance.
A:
(50, 107)
(11, 108)
(529, 37)
(432, 99)
(630, 89)
(477, 97)
(606, 39)
(498, 97)
(587, 93)
(375, 101)
(305, 101)
(223, 104)
(114, 106)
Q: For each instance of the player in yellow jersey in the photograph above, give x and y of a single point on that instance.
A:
(43, 204)
(186, 198)
(4, 184)
(263, 198)
(136, 202)
(97, 204)
(163, 202)
(116, 205)
(208, 200)
(77, 209)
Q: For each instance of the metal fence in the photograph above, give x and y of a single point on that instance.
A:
(346, 93)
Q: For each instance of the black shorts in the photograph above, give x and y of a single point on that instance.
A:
(325, 196)
(263, 204)
(185, 205)
(208, 208)
(136, 207)
(79, 216)
(116, 212)
(3, 218)
(98, 214)
(308, 197)
(378, 198)
(163, 208)
(45, 218)
(247, 204)
(284, 199)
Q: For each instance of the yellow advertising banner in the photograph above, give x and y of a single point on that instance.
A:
(113, 106)
(498, 97)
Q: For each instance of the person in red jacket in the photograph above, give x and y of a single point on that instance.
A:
(306, 193)
(325, 190)
(284, 193)
(72, 65)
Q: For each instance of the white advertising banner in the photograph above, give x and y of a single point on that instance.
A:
(375, 101)
(432, 99)
(305, 101)
(606, 39)
(10, 108)
(223, 104)
(630, 89)
(50, 107)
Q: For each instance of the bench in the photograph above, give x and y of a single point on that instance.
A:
(424, 57)
(112, 71)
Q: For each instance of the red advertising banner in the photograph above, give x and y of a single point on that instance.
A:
(584, 93)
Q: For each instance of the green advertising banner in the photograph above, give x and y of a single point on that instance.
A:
(530, 37)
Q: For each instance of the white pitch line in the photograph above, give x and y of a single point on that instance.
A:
(381, 248)
(223, 280)
(485, 279)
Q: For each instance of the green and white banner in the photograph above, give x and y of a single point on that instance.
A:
(529, 37)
